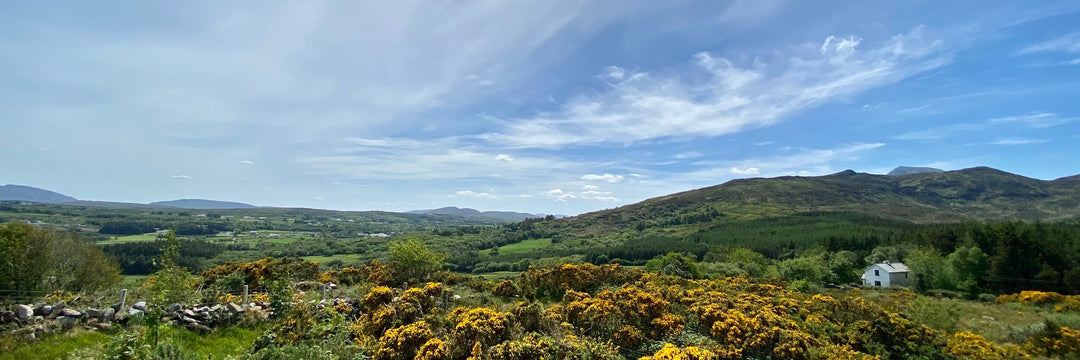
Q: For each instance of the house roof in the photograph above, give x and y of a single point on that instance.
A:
(892, 267)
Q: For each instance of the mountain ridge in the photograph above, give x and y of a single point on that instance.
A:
(29, 193)
(467, 212)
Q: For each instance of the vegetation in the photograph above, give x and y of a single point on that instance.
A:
(33, 260)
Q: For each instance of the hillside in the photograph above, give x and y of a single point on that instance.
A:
(202, 204)
(473, 213)
(974, 194)
(32, 194)
(908, 170)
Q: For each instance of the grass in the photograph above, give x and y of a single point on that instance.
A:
(343, 257)
(521, 247)
(500, 275)
(85, 344)
(129, 239)
(55, 346)
(133, 281)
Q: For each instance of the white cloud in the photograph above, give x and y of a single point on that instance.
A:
(689, 155)
(504, 157)
(247, 162)
(1018, 141)
(641, 105)
(764, 143)
(1035, 120)
(590, 187)
(473, 194)
(1068, 43)
(746, 171)
(611, 178)
(940, 132)
(803, 162)
(559, 195)
(319, 198)
(181, 177)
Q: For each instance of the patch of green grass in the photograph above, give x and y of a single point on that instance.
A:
(133, 281)
(129, 239)
(325, 259)
(56, 346)
(500, 275)
(222, 343)
(521, 247)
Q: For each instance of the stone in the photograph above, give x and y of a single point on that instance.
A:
(234, 308)
(7, 316)
(23, 312)
(135, 312)
(93, 313)
(190, 313)
(215, 308)
(67, 320)
(103, 326)
(108, 314)
(139, 305)
(43, 310)
(175, 307)
(188, 320)
(71, 313)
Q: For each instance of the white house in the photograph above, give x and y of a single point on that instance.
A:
(886, 274)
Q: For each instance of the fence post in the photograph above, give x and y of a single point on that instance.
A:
(324, 290)
(245, 294)
(123, 299)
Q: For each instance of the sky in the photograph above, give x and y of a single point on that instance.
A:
(554, 106)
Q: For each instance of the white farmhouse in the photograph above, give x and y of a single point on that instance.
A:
(886, 274)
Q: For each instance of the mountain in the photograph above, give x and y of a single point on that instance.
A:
(473, 213)
(908, 170)
(974, 194)
(33, 194)
(202, 204)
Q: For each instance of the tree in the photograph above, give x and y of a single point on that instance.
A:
(809, 269)
(413, 261)
(677, 264)
(843, 267)
(970, 267)
(33, 259)
(928, 269)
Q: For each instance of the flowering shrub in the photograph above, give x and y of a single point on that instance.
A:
(479, 325)
(256, 273)
(403, 343)
(965, 345)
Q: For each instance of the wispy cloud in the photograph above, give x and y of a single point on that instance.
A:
(473, 194)
(939, 132)
(181, 177)
(1018, 141)
(1035, 120)
(728, 97)
(1069, 43)
(247, 162)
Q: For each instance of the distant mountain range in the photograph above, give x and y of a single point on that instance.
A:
(925, 196)
(473, 213)
(907, 170)
(203, 204)
(33, 194)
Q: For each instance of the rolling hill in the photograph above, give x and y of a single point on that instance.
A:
(473, 213)
(32, 194)
(202, 204)
(974, 194)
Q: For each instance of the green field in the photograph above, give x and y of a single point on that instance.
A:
(129, 239)
(521, 247)
(325, 259)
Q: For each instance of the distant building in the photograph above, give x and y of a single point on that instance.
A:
(886, 274)
(273, 236)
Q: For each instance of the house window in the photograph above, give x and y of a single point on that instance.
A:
(877, 283)
(877, 273)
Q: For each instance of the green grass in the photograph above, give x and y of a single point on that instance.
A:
(133, 281)
(325, 259)
(500, 275)
(129, 239)
(81, 344)
(56, 346)
(521, 247)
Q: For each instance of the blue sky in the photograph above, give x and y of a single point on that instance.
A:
(547, 106)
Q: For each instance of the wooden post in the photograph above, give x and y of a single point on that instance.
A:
(324, 290)
(245, 294)
(123, 299)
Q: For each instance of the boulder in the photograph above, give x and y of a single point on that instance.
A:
(67, 320)
(108, 314)
(188, 320)
(23, 312)
(234, 308)
(135, 312)
(93, 313)
(139, 306)
(7, 316)
(43, 310)
(190, 313)
(175, 307)
(71, 313)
